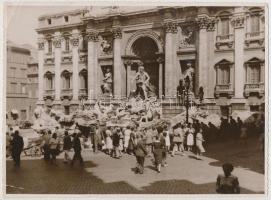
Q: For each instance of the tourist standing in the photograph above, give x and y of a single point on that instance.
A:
(180, 90)
(190, 140)
(149, 140)
(46, 142)
(77, 150)
(127, 133)
(131, 141)
(53, 145)
(140, 153)
(8, 144)
(199, 140)
(108, 141)
(227, 183)
(178, 140)
(67, 145)
(17, 145)
(116, 143)
(158, 149)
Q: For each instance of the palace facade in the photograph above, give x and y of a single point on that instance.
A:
(224, 47)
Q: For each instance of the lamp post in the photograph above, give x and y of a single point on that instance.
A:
(187, 86)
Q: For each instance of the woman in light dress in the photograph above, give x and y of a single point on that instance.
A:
(108, 141)
(190, 139)
(127, 133)
(199, 140)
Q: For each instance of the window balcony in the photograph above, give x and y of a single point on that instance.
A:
(83, 93)
(49, 58)
(254, 37)
(254, 89)
(66, 57)
(259, 34)
(66, 93)
(224, 40)
(49, 94)
(224, 90)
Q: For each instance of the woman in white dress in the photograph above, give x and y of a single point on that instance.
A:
(199, 140)
(108, 141)
(127, 133)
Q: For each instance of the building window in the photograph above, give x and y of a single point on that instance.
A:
(49, 81)
(66, 18)
(223, 70)
(255, 23)
(13, 72)
(49, 21)
(255, 108)
(83, 79)
(225, 26)
(67, 110)
(23, 88)
(13, 87)
(23, 115)
(50, 46)
(67, 44)
(253, 70)
(66, 77)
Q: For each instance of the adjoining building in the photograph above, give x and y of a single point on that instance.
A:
(224, 46)
(21, 92)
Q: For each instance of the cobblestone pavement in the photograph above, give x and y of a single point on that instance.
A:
(102, 174)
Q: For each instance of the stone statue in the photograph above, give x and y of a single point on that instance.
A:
(107, 82)
(142, 82)
(189, 72)
(105, 46)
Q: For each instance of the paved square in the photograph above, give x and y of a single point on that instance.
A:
(105, 175)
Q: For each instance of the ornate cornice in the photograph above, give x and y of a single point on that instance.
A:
(92, 36)
(170, 27)
(75, 41)
(211, 24)
(40, 45)
(117, 33)
(238, 21)
(202, 22)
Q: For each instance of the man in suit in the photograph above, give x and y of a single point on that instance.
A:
(77, 150)
(140, 153)
(17, 147)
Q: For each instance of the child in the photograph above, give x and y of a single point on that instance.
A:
(227, 183)
(199, 140)
(190, 140)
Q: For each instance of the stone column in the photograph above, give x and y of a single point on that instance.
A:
(238, 24)
(160, 61)
(128, 64)
(211, 73)
(40, 71)
(75, 61)
(92, 37)
(57, 45)
(202, 53)
(170, 72)
(117, 79)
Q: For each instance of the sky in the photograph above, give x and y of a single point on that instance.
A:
(22, 20)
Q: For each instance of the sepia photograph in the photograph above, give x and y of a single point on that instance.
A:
(135, 99)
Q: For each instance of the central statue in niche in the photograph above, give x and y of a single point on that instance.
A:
(143, 86)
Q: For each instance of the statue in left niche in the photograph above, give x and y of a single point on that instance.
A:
(105, 46)
(107, 82)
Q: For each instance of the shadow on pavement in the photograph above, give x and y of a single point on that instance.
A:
(38, 177)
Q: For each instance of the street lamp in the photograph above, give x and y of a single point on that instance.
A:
(187, 86)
